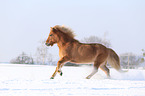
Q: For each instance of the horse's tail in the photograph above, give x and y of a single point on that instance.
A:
(114, 61)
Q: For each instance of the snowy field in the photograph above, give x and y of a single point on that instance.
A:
(33, 80)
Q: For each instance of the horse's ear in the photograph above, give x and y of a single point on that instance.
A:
(53, 29)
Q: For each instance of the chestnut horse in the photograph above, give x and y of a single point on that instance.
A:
(71, 50)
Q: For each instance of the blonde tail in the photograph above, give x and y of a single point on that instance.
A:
(114, 61)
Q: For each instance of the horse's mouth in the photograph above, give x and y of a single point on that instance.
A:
(47, 44)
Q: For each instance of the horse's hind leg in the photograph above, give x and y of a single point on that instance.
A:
(99, 60)
(94, 71)
(105, 69)
(96, 66)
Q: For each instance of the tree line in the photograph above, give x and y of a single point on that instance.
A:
(43, 57)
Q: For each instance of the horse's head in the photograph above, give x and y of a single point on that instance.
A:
(52, 38)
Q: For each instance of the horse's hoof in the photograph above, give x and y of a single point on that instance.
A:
(87, 78)
(52, 78)
(61, 74)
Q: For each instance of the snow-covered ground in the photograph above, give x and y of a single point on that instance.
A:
(33, 80)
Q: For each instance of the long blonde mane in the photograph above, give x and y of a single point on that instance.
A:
(65, 30)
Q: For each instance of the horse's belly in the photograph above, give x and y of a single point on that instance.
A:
(83, 60)
(79, 62)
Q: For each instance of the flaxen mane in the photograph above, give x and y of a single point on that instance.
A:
(66, 30)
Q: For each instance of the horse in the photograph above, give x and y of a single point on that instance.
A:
(71, 50)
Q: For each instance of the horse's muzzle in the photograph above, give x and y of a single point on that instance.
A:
(47, 44)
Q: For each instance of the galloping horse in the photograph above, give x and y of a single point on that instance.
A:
(71, 50)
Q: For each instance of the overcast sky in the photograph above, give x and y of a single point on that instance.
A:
(23, 23)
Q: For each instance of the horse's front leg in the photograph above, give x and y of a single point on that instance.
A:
(59, 70)
(59, 66)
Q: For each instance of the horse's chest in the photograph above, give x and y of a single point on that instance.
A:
(65, 51)
(62, 53)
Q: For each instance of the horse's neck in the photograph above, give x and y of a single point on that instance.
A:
(62, 43)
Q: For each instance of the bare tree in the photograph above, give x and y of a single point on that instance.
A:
(95, 39)
(50, 59)
(42, 55)
(133, 60)
(23, 59)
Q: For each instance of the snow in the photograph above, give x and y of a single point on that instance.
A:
(33, 80)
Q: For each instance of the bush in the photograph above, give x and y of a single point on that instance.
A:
(22, 59)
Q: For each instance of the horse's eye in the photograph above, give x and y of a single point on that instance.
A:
(50, 35)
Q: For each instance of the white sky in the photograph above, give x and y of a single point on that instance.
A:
(23, 23)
